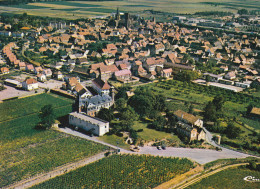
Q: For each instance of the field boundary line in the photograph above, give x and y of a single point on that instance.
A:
(26, 183)
(197, 179)
(181, 178)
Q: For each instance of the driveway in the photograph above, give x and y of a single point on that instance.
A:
(201, 156)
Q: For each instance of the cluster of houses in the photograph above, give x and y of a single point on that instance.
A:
(150, 50)
(189, 126)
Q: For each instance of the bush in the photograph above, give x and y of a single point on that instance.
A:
(119, 134)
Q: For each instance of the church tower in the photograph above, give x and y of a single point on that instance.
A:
(127, 20)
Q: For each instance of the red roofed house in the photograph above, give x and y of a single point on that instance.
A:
(106, 72)
(41, 77)
(30, 84)
(102, 87)
(38, 70)
(5, 70)
(123, 75)
(230, 75)
(151, 63)
(166, 72)
(29, 68)
(22, 66)
(47, 72)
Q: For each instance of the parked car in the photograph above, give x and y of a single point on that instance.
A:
(135, 149)
(159, 147)
(164, 147)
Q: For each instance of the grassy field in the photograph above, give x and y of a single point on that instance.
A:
(26, 151)
(230, 178)
(122, 171)
(115, 140)
(73, 9)
(151, 134)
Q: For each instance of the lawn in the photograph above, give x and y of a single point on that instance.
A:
(151, 134)
(115, 140)
(230, 178)
(26, 151)
(122, 171)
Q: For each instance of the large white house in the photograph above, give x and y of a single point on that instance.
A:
(97, 126)
(30, 84)
(102, 87)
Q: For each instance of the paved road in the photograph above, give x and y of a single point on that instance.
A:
(201, 156)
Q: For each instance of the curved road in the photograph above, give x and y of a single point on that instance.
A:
(201, 156)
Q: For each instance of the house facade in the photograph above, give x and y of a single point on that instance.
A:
(102, 87)
(30, 84)
(97, 126)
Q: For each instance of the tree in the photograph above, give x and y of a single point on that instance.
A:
(159, 123)
(191, 107)
(141, 104)
(249, 108)
(242, 11)
(105, 114)
(232, 131)
(129, 114)
(121, 104)
(122, 93)
(218, 102)
(47, 116)
(210, 113)
(187, 75)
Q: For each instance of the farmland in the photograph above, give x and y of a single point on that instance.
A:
(231, 177)
(122, 171)
(80, 9)
(26, 151)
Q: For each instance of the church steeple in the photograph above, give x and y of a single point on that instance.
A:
(117, 14)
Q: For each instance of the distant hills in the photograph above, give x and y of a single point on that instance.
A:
(15, 2)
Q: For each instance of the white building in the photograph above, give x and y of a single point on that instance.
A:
(102, 87)
(97, 126)
(30, 84)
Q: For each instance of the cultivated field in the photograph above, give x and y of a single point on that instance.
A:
(26, 151)
(230, 178)
(81, 9)
(122, 171)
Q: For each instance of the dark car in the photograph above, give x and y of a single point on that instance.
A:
(164, 147)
